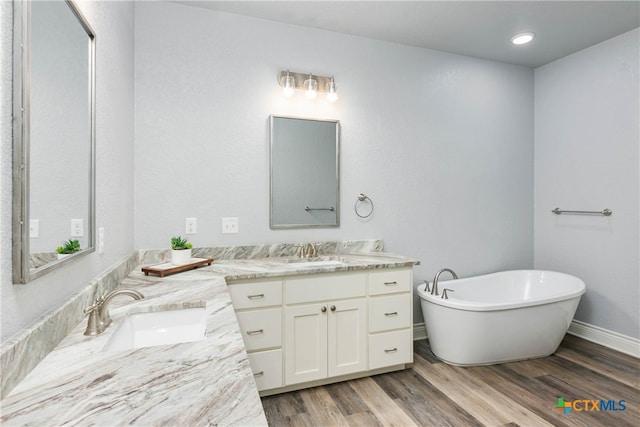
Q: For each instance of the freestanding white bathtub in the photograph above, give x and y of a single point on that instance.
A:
(500, 317)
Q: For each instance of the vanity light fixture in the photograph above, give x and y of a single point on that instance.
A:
(311, 84)
(522, 38)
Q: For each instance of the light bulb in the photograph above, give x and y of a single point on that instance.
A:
(332, 92)
(311, 87)
(288, 85)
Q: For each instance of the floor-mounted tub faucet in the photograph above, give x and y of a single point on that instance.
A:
(434, 289)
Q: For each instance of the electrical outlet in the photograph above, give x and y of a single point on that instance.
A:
(101, 240)
(230, 225)
(190, 225)
(77, 228)
(34, 228)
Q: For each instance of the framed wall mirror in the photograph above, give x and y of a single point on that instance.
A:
(53, 136)
(305, 181)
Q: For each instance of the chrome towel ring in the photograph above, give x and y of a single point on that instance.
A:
(362, 198)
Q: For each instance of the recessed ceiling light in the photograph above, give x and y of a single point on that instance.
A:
(522, 38)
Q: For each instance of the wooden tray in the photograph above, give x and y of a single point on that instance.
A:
(167, 268)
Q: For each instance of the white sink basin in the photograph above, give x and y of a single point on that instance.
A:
(159, 328)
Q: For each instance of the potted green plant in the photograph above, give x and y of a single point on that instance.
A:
(69, 247)
(180, 251)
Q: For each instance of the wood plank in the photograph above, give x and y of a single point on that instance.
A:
(484, 403)
(381, 405)
(424, 403)
(346, 399)
(321, 407)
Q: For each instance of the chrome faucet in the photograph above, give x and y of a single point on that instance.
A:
(99, 318)
(434, 288)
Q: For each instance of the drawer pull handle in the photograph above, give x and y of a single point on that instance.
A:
(258, 374)
(257, 296)
(395, 313)
(391, 350)
(256, 332)
(390, 283)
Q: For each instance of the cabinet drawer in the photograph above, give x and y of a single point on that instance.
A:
(390, 348)
(261, 328)
(389, 281)
(267, 368)
(254, 295)
(389, 312)
(325, 287)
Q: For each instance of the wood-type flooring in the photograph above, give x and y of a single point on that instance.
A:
(433, 393)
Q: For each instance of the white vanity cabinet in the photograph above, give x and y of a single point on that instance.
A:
(258, 308)
(305, 330)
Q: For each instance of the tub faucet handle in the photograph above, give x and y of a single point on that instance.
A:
(444, 293)
(427, 288)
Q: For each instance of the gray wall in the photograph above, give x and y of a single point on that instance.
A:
(113, 23)
(586, 158)
(442, 143)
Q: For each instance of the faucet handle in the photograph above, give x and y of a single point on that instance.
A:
(444, 293)
(94, 326)
(93, 307)
(427, 288)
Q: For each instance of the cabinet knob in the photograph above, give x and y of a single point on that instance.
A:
(333, 308)
(323, 309)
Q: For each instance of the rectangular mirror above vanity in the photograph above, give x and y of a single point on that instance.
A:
(53, 137)
(304, 166)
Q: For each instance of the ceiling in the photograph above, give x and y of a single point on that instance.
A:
(474, 28)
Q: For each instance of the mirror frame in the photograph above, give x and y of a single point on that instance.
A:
(274, 226)
(22, 272)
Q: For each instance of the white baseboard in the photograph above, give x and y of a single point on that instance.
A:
(605, 337)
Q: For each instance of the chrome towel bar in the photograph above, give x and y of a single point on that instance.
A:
(606, 212)
(319, 209)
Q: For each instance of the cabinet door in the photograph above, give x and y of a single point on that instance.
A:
(347, 337)
(305, 343)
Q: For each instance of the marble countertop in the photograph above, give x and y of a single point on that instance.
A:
(208, 382)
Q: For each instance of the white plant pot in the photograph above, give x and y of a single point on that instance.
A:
(61, 256)
(180, 256)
